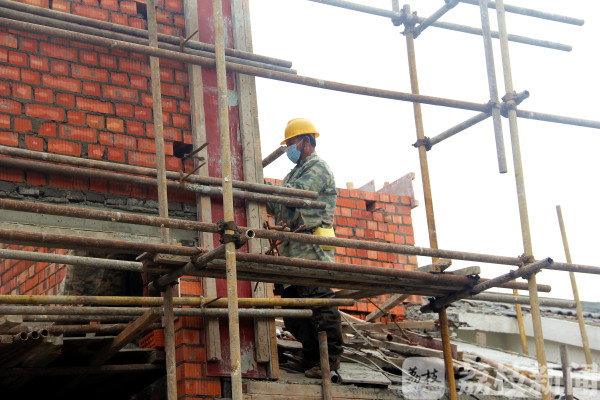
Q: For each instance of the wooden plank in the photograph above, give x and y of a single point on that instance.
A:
(357, 294)
(275, 390)
(252, 162)
(467, 271)
(10, 321)
(431, 343)
(407, 349)
(437, 267)
(356, 373)
(203, 203)
(170, 259)
(131, 332)
(394, 325)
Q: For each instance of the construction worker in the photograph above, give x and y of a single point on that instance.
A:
(310, 173)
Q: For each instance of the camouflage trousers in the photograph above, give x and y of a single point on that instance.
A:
(89, 281)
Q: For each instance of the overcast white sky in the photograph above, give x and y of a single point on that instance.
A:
(364, 138)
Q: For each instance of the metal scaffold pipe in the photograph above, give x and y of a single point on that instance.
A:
(75, 212)
(450, 4)
(531, 13)
(190, 187)
(137, 311)
(28, 17)
(203, 302)
(512, 299)
(457, 128)
(400, 17)
(132, 169)
(142, 33)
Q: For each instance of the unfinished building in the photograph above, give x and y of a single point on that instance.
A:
(129, 131)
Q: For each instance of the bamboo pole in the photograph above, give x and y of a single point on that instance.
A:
(492, 85)
(414, 84)
(163, 202)
(521, 325)
(137, 170)
(522, 200)
(232, 296)
(582, 328)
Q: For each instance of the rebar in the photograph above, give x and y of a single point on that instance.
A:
(137, 170)
(190, 187)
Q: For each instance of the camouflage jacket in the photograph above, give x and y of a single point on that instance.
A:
(315, 175)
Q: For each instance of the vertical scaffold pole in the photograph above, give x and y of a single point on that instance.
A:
(232, 296)
(163, 203)
(493, 86)
(522, 200)
(582, 329)
(414, 84)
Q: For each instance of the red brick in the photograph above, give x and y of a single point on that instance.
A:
(108, 61)
(64, 147)
(179, 20)
(44, 95)
(124, 110)
(121, 188)
(10, 106)
(117, 140)
(146, 145)
(8, 72)
(47, 129)
(22, 125)
(60, 5)
(75, 117)
(172, 134)
(56, 51)
(88, 73)
(168, 89)
(118, 93)
(95, 121)
(36, 178)
(119, 78)
(93, 3)
(128, 7)
(8, 40)
(181, 77)
(61, 83)
(91, 89)
(10, 174)
(169, 105)
(143, 159)
(59, 68)
(136, 22)
(88, 57)
(143, 113)
(4, 121)
(166, 75)
(109, 4)
(98, 185)
(184, 107)
(38, 3)
(34, 142)
(45, 112)
(38, 62)
(98, 106)
(166, 118)
(133, 66)
(78, 133)
(21, 91)
(9, 138)
(116, 154)
(3, 55)
(181, 121)
(139, 82)
(114, 125)
(65, 99)
(90, 12)
(17, 58)
(135, 128)
(95, 151)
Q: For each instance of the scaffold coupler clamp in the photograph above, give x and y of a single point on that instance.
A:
(234, 237)
(512, 100)
(423, 142)
(523, 261)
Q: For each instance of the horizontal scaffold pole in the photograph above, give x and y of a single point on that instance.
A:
(31, 165)
(178, 301)
(137, 170)
(75, 212)
(137, 311)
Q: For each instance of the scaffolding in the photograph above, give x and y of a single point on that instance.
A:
(224, 261)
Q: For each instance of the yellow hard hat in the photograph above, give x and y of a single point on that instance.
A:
(299, 126)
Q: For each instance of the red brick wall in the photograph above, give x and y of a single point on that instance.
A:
(377, 217)
(76, 99)
(30, 277)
